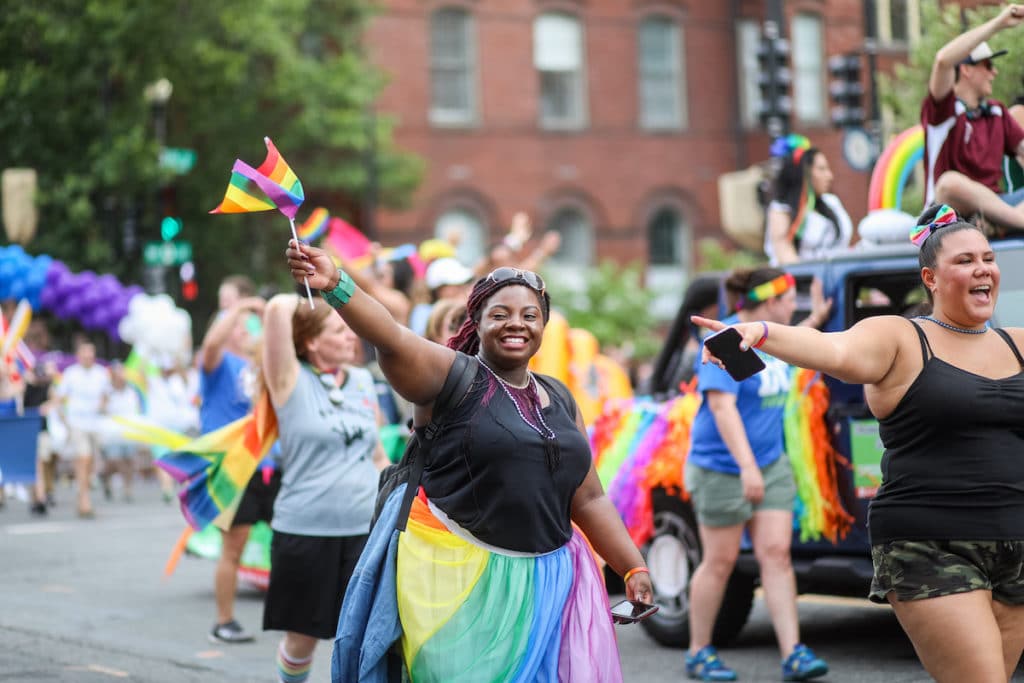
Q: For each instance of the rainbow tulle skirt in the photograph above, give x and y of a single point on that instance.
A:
(469, 614)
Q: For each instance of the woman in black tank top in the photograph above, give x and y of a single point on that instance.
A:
(508, 478)
(947, 525)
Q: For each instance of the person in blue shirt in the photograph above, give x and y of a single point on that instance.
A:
(226, 385)
(739, 477)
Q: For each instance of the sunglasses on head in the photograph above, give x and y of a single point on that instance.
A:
(530, 278)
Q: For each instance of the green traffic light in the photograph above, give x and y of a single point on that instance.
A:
(169, 228)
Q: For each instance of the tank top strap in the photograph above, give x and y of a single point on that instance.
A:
(1009, 341)
(926, 348)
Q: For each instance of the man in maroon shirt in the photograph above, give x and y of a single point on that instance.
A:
(966, 133)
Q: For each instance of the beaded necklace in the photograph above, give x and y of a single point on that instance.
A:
(961, 330)
(527, 402)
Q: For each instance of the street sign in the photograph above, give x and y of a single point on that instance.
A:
(166, 253)
(178, 160)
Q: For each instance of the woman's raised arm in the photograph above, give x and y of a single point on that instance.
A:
(414, 366)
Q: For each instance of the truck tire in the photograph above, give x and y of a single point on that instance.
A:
(672, 555)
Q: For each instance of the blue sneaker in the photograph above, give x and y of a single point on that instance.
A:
(802, 665)
(706, 666)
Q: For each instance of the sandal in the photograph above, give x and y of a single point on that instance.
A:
(706, 666)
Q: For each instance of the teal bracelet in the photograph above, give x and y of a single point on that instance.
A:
(341, 293)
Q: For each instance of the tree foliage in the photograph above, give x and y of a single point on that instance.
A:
(73, 74)
(906, 88)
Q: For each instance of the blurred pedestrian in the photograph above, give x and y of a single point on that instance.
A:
(327, 418)
(81, 391)
(119, 454)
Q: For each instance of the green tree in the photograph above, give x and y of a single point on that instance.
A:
(614, 306)
(72, 78)
(941, 22)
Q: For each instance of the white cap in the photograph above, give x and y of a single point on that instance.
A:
(447, 271)
(981, 53)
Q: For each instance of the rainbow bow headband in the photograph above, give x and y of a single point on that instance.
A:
(768, 290)
(945, 216)
(790, 145)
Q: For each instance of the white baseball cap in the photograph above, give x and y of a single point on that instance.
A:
(981, 53)
(447, 271)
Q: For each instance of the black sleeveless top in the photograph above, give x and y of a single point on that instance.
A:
(489, 473)
(953, 467)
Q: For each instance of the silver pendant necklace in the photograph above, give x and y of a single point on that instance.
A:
(954, 328)
(334, 393)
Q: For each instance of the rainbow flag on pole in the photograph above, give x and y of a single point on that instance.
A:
(215, 468)
(271, 186)
(315, 226)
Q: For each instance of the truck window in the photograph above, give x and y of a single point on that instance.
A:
(885, 293)
(1010, 306)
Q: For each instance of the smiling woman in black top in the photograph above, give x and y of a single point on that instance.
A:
(947, 526)
(492, 582)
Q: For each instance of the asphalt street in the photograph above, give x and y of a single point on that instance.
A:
(86, 601)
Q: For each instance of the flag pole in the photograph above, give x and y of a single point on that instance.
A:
(295, 235)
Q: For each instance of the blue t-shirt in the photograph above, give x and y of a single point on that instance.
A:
(223, 393)
(760, 400)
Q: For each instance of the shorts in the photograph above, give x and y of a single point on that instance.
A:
(308, 579)
(916, 570)
(45, 449)
(257, 504)
(81, 444)
(718, 497)
(1013, 198)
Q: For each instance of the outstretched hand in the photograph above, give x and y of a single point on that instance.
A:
(305, 261)
(750, 334)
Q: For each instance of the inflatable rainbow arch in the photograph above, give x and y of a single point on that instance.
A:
(893, 168)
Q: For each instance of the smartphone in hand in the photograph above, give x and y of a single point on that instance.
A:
(725, 345)
(632, 611)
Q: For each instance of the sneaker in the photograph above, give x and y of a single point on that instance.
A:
(37, 508)
(802, 664)
(231, 632)
(706, 666)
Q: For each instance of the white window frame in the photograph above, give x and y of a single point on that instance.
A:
(669, 76)
(883, 23)
(808, 74)
(559, 51)
(462, 67)
(748, 38)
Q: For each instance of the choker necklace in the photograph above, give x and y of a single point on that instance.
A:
(961, 330)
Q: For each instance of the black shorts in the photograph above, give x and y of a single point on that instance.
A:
(257, 503)
(308, 578)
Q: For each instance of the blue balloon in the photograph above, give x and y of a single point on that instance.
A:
(18, 289)
(35, 301)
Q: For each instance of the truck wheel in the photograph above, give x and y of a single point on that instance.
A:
(672, 555)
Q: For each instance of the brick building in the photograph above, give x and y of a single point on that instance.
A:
(608, 120)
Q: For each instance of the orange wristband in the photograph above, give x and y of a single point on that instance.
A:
(764, 337)
(632, 572)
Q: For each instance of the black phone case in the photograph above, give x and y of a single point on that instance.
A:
(638, 612)
(725, 345)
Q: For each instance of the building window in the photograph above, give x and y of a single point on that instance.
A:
(464, 228)
(558, 58)
(452, 67)
(668, 256)
(660, 60)
(898, 22)
(573, 226)
(808, 68)
(664, 238)
(748, 37)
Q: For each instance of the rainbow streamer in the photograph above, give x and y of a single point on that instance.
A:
(274, 179)
(893, 168)
(315, 226)
(15, 331)
(641, 445)
(214, 468)
(137, 371)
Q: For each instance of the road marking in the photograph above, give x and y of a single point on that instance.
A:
(210, 654)
(841, 601)
(96, 668)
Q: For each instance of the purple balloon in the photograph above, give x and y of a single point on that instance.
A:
(56, 271)
(113, 332)
(89, 320)
(48, 298)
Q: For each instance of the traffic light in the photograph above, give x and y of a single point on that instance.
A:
(774, 81)
(846, 90)
(169, 228)
(189, 286)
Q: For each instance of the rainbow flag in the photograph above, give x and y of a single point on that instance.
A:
(315, 226)
(271, 186)
(215, 468)
(137, 371)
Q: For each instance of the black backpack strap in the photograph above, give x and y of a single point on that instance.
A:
(554, 384)
(459, 379)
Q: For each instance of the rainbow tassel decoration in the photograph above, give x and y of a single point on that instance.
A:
(640, 445)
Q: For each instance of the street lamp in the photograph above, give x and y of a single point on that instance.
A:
(158, 94)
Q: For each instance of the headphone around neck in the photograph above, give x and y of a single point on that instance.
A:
(983, 109)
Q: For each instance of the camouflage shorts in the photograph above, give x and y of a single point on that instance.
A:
(915, 570)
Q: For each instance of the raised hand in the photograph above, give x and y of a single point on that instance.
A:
(305, 261)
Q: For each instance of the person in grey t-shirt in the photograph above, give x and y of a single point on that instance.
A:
(330, 458)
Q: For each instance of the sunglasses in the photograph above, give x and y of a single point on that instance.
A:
(534, 281)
